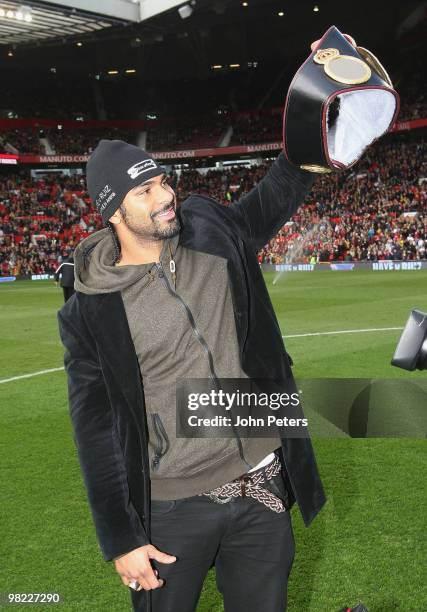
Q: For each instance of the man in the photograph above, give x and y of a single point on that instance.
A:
(66, 272)
(166, 293)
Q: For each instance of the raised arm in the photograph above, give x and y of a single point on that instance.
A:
(266, 208)
(118, 526)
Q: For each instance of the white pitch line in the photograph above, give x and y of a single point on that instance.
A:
(5, 380)
(344, 331)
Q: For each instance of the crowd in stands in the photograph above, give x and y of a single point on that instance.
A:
(41, 220)
(414, 110)
(71, 142)
(187, 132)
(412, 94)
(64, 141)
(23, 140)
(375, 211)
(252, 128)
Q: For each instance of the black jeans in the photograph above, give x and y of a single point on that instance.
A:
(251, 546)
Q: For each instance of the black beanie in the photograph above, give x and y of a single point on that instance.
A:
(113, 169)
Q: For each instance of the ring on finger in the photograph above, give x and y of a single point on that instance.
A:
(134, 584)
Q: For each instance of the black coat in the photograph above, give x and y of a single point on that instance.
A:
(105, 386)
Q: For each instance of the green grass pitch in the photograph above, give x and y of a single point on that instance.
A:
(368, 543)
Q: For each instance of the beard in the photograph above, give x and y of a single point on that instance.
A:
(156, 229)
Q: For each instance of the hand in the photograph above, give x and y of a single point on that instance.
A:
(136, 566)
(348, 37)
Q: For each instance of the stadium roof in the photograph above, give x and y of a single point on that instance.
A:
(129, 10)
(42, 20)
(158, 41)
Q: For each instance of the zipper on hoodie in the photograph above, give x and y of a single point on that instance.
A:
(163, 443)
(205, 346)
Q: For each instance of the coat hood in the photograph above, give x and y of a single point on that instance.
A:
(95, 272)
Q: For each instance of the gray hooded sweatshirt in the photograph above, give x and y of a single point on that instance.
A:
(168, 350)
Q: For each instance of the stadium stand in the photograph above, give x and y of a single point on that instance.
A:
(181, 132)
(72, 142)
(25, 141)
(378, 210)
(375, 211)
(192, 132)
(252, 128)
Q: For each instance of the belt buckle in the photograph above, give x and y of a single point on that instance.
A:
(243, 480)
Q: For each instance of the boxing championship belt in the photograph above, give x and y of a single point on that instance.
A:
(338, 103)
